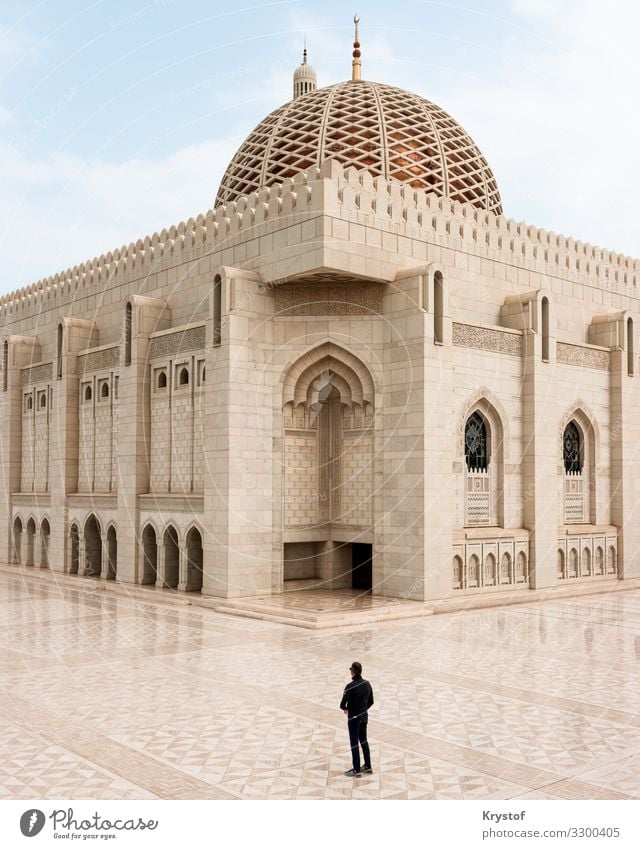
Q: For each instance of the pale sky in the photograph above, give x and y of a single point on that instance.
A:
(119, 118)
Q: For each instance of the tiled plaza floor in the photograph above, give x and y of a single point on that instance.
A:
(106, 697)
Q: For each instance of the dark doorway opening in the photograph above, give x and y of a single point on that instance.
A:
(361, 571)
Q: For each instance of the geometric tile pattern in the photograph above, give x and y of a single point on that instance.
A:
(109, 697)
(388, 131)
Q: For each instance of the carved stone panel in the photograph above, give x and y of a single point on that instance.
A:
(99, 360)
(487, 339)
(578, 355)
(192, 339)
(37, 374)
(328, 298)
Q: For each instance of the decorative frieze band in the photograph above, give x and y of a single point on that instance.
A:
(578, 355)
(349, 298)
(98, 360)
(37, 374)
(487, 339)
(169, 344)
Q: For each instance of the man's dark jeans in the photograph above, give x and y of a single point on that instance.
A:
(357, 738)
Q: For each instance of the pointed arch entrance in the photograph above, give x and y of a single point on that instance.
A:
(16, 551)
(92, 548)
(328, 424)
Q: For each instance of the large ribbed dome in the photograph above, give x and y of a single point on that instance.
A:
(386, 130)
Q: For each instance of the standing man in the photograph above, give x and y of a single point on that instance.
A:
(356, 701)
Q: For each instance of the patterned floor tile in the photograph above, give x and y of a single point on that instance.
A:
(111, 697)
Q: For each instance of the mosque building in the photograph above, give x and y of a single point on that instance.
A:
(352, 372)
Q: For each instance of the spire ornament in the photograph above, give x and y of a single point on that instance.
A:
(356, 67)
(304, 78)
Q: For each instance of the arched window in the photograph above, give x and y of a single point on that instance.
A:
(475, 443)
(572, 449)
(585, 565)
(59, 353)
(217, 310)
(183, 378)
(573, 563)
(521, 568)
(611, 561)
(545, 330)
(505, 568)
(438, 308)
(630, 348)
(489, 571)
(43, 400)
(599, 561)
(457, 573)
(128, 330)
(561, 564)
(87, 393)
(162, 380)
(104, 390)
(30, 403)
(473, 571)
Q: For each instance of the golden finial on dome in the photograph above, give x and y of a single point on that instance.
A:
(356, 72)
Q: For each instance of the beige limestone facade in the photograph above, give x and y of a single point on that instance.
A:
(343, 378)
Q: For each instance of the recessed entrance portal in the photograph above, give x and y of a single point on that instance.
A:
(328, 475)
(361, 566)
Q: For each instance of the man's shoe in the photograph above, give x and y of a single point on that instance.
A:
(366, 769)
(351, 773)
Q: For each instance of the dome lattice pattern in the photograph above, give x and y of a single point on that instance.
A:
(386, 130)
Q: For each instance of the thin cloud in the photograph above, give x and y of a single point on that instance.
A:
(64, 210)
(550, 101)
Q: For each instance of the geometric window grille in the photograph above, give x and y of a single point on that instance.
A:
(475, 443)
(388, 131)
(571, 449)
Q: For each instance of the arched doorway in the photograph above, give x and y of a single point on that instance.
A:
(45, 534)
(171, 558)
(31, 540)
(74, 550)
(149, 555)
(92, 548)
(112, 554)
(194, 561)
(16, 552)
(328, 474)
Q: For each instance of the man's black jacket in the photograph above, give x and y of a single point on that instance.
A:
(357, 697)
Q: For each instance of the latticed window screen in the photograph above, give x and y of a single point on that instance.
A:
(475, 443)
(390, 132)
(571, 449)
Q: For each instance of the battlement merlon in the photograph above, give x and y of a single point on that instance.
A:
(341, 193)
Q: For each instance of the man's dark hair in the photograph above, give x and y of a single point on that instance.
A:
(356, 667)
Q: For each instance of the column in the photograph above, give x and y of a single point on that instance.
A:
(77, 334)
(240, 555)
(148, 315)
(20, 352)
(161, 562)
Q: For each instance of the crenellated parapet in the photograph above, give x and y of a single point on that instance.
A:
(349, 193)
